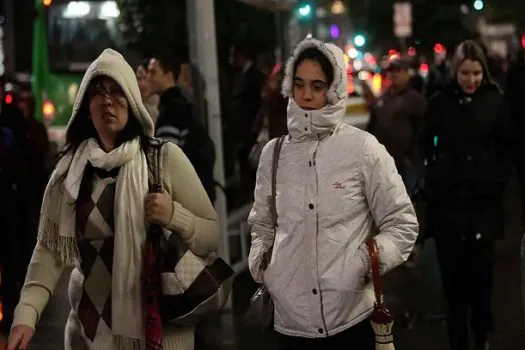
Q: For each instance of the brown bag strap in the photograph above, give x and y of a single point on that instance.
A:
(373, 251)
(275, 165)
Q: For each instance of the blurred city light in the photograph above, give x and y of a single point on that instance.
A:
(334, 31)
(109, 9)
(352, 53)
(359, 40)
(439, 48)
(478, 5)
(305, 10)
(338, 7)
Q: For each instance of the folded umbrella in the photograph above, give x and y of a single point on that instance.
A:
(381, 319)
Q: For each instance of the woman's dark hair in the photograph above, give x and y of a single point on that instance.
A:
(315, 54)
(82, 127)
(471, 50)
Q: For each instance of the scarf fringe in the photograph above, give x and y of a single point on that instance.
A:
(64, 248)
(125, 343)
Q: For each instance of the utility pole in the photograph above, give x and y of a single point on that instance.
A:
(203, 56)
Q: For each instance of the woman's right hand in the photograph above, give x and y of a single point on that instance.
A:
(20, 337)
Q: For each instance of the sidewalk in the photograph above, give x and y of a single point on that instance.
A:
(226, 331)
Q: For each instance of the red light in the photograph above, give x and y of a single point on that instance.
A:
(423, 68)
(8, 99)
(438, 48)
(523, 40)
(411, 51)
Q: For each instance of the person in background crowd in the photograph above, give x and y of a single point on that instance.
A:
(150, 99)
(246, 102)
(39, 162)
(335, 184)
(177, 122)
(396, 121)
(468, 147)
(515, 93)
(416, 80)
(15, 181)
(95, 215)
(271, 119)
(185, 80)
(439, 74)
(39, 139)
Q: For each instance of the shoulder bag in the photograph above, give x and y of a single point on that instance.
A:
(261, 310)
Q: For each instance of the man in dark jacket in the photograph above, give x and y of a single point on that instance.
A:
(396, 121)
(177, 122)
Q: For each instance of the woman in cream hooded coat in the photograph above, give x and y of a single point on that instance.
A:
(334, 184)
(92, 218)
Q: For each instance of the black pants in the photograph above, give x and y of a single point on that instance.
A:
(359, 337)
(466, 270)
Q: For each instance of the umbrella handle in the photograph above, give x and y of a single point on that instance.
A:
(373, 251)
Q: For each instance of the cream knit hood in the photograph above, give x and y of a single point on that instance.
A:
(113, 65)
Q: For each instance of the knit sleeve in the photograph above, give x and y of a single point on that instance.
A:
(194, 219)
(42, 276)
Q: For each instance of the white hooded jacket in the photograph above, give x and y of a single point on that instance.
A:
(334, 182)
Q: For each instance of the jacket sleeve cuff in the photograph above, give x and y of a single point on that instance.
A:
(25, 315)
(182, 222)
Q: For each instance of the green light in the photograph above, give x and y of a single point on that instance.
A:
(305, 10)
(435, 141)
(478, 5)
(359, 40)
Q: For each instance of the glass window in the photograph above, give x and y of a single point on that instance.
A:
(78, 31)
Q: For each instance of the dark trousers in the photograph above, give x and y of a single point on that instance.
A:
(359, 337)
(466, 270)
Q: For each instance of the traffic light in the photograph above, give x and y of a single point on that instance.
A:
(304, 11)
(478, 5)
(359, 40)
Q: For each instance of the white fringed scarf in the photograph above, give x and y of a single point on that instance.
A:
(57, 226)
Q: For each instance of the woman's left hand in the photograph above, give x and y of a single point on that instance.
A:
(159, 208)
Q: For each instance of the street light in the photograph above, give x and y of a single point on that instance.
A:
(338, 7)
(359, 40)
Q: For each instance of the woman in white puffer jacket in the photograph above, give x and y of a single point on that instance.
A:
(334, 184)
